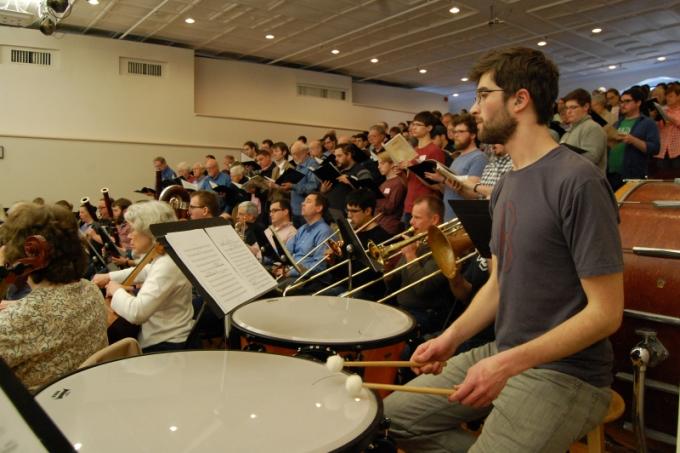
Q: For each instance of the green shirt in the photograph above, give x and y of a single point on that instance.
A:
(615, 161)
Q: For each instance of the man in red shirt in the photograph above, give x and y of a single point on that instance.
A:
(421, 127)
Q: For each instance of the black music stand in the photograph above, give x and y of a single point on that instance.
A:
(476, 219)
(352, 245)
(284, 254)
(25, 425)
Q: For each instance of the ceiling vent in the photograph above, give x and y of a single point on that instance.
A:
(135, 67)
(27, 56)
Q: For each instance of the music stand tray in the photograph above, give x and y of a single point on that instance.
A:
(351, 238)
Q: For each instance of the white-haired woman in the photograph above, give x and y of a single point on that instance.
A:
(163, 304)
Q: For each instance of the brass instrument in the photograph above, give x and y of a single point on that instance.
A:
(178, 198)
(447, 241)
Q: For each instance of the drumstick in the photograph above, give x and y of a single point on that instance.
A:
(354, 385)
(336, 363)
(388, 363)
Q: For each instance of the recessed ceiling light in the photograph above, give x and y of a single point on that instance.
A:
(596, 30)
(661, 59)
(455, 95)
(602, 89)
(464, 79)
(93, 2)
(189, 20)
(269, 36)
(454, 10)
(422, 71)
(335, 51)
(612, 66)
(374, 60)
(542, 43)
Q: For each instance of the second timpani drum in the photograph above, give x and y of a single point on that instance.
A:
(650, 232)
(319, 326)
(208, 401)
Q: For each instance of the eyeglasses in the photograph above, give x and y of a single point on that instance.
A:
(572, 107)
(191, 206)
(417, 124)
(481, 95)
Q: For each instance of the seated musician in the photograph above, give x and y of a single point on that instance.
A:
(310, 236)
(123, 228)
(203, 205)
(163, 304)
(62, 321)
(361, 213)
(279, 212)
(555, 289)
(252, 230)
(430, 301)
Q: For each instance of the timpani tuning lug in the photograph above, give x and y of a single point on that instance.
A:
(650, 351)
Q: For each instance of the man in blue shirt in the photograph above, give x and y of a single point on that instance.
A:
(214, 180)
(304, 164)
(160, 164)
(314, 232)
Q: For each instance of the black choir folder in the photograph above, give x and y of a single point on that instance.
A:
(476, 219)
(213, 257)
(292, 176)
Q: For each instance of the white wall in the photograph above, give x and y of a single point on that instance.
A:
(77, 126)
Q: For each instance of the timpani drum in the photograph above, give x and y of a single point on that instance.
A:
(652, 295)
(208, 401)
(319, 326)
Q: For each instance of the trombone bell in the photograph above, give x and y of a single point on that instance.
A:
(447, 246)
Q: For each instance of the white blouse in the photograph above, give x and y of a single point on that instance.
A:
(162, 306)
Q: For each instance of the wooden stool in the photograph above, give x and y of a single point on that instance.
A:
(595, 437)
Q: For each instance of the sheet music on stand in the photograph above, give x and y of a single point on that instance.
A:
(284, 253)
(217, 262)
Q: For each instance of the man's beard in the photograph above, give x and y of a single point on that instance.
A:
(499, 129)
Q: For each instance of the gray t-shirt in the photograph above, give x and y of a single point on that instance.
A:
(554, 222)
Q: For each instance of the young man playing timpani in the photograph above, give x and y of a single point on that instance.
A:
(555, 289)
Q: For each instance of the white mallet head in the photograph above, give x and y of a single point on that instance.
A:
(354, 385)
(335, 363)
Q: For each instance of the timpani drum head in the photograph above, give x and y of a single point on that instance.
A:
(208, 401)
(323, 320)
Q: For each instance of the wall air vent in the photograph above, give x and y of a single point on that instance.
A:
(338, 94)
(25, 56)
(135, 67)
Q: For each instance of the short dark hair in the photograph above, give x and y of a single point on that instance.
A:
(283, 147)
(268, 142)
(67, 257)
(673, 87)
(434, 204)
(209, 200)
(438, 129)
(160, 159)
(331, 135)
(467, 120)
(581, 96)
(521, 67)
(614, 91)
(427, 118)
(65, 204)
(263, 152)
(636, 93)
(302, 139)
(284, 203)
(122, 203)
(437, 113)
(321, 200)
(364, 198)
(250, 144)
